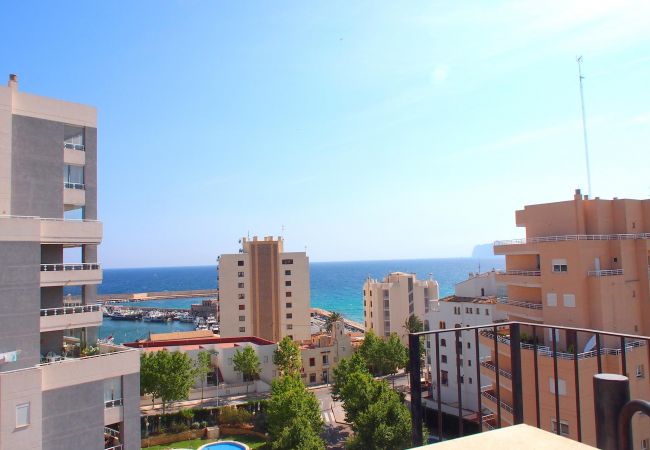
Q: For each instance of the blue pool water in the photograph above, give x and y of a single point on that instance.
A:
(223, 446)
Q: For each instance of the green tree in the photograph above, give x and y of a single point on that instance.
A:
(331, 320)
(167, 375)
(395, 354)
(287, 356)
(357, 393)
(413, 324)
(342, 373)
(247, 363)
(371, 351)
(384, 425)
(203, 366)
(289, 401)
(298, 435)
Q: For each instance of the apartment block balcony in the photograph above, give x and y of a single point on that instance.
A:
(490, 401)
(113, 412)
(571, 237)
(520, 308)
(70, 317)
(517, 277)
(50, 231)
(605, 273)
(112, 361)
(70, 274)
(74, 195)
(74, 154)
(489, 369)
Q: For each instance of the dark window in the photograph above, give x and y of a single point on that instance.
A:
(242, 318)
(288, 305)
(242, 329)
(287, 283)
(240, 274)
(289, 316)
(240, 285)
(240, 263)
(287, 272)
(287, 261)
(312, 377)
(312, 362)
(325, 359)
(443, 342)
(288, 294)
(240, 296)
(242, 307)
(443, 359)
(444, 375)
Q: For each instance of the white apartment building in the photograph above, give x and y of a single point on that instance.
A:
(264, 291)
(474, 303)
(388, 304)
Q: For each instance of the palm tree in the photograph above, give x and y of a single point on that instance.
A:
(413, 324)
(331, 320)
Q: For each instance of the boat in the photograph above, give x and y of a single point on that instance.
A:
(126, 315)
(185, 317)
(155, 316)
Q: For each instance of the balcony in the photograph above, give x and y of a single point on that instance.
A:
(490, 402)
(74, 154)
(113, 412)
(489, 370)
(525, 278)
(60, 231)
(69, 317)
(74, 195)
(521, 309)
(70, 274)
(572, 237)
(112, 361)
(605, 273)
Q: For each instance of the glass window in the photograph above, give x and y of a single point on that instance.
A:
(73, 176)
(22, 415)
(73, 137)
(112, 389)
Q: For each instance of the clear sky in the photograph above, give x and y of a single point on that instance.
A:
(369, 130)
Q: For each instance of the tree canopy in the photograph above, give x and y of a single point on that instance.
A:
(383, 356)
(331, 320)
(413, 324)
(290, 409)
(247, 363)
(287, 356)
(166, 375)
(203, 366)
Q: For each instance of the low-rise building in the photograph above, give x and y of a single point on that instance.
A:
(323, 352)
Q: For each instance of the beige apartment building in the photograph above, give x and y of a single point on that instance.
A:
(388, 304)
(264, 291)
(584, 264)
(60, 388)
(322, 354)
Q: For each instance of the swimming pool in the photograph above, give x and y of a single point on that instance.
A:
(224, 445)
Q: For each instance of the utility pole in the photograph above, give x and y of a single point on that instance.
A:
(584, 124)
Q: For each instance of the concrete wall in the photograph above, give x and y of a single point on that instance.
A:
(16, 388)
(90, 173)
(20, 302)
(37, 167)
(73, 417)
(131, 400)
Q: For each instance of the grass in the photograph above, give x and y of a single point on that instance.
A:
(252, 441)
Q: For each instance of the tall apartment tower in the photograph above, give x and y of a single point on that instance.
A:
(264, 291)
(583, 264)
(388, 304)
(59, 388)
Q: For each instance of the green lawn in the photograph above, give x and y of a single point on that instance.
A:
(251, 441)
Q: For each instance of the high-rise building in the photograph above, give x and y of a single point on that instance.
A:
(60, 388)
(583, 264)
(388, 304)
(264, 292)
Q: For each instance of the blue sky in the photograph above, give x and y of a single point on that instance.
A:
(369, 130)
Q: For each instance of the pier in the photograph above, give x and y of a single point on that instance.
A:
(165, 295)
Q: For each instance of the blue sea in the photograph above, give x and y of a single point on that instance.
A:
(335, 286)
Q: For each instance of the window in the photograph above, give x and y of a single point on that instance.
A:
(312, 362)
(444, 378)
(443, 342)
(442, 325)
(386, 304)
(112, 392)
(477, 311)
(569, 300)
(289, 326)
(457, 325)
(288, 294)
(287, 283)
(288, 305)
(240, 285)
(240, 274)
(551, 299)
(564, 427)
(469, 363)
(73, 176)
(469, 380)
(443, 359)
(242, 307)
(240, 296)
(73, 137)
(312, 377)
(560, 265)
(487, 312)
(240, 263)
(22, 415)
(287, 272)
(242, 318)
(289, 316)
(242, 329)
(287, 261)
(561, 386)
(469, 345)
(325, 359)
(645, 444)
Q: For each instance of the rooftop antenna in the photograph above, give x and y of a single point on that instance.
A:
(584, 124)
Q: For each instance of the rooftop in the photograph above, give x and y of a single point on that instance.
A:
(480, 300)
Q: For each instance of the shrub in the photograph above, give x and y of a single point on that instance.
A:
(203, 424)
(196, 425)
(234, 416)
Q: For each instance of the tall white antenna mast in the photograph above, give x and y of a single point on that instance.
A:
(584, 124)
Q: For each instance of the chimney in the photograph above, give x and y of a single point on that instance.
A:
(577, 195)
(13, 81)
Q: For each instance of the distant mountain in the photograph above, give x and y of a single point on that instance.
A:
(483, 251)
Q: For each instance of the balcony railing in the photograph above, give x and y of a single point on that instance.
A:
(604, 273)
(605, 349)
(65, 267)
(113, 403)
(76, 309)
(70, 185)
(518, 303)
(71, 146)
(573, 237)
(525, 273)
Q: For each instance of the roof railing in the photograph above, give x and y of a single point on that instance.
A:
(604, 273)
(71, 146)
(73, 309)
(574, 237)
(519, 303)
(71, 185)
(65, 267)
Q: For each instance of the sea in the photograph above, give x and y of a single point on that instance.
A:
(335, 286)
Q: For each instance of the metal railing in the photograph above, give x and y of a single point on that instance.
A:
(47, 219)
(113, 403)
(75, 309)
(71, 146)
(573, 237)
(104, 351)
(111, 432)
(66, 267)
(532, 339)
(525, 273)
(520, 304)
(604, 273)
(70, 185)
(115, 447)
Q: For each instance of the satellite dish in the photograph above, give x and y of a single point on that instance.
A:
(591, 344)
